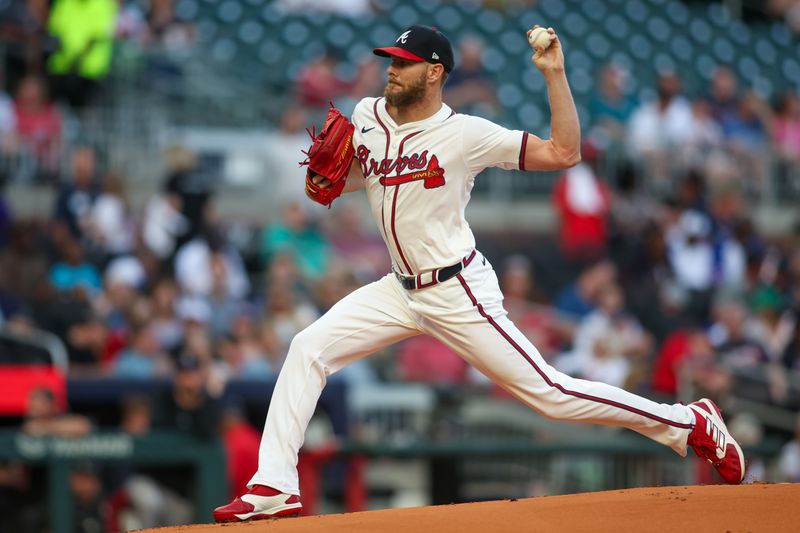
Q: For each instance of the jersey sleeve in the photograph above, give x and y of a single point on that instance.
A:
(487, 144)
(362, 117)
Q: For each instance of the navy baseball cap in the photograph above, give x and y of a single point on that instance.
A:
(421, 43)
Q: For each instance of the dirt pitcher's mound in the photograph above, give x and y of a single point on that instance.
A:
(745, 508)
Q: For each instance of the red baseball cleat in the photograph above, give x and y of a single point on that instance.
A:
(711, 440)
(258, 503)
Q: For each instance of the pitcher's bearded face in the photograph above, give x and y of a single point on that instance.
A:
(406, 83)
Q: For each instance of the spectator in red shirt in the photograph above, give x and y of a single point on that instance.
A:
(583, 202)
(38, 123)
(241, 450)
(427, 360)
(318, 83)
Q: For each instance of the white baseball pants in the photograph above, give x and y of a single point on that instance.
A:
(465, 313)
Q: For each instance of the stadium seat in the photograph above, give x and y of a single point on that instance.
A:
(271, 52)
(426, 6)
(594, 10)
(598, 45)
(637, 11)
(224, 50)
(718, 15)
(528, 18)
(553, 10)
(491, 23)
(575, 24)
(740, 33)
(494, 60)
(295, 33)
(448, 19)
(639, 47)
(723, 50)
(229, 11)
(186, 9)
(659, 29)
(791, 69)
(207, 30)
(617, 27)
(404, 16)
(510, 95)
(340, 35)
(271, 16)
(700, 31)
(513, 42)
(251, 32)
(682, 48)
(705, 66)
(678, 13)
(765, 51)
(780, 35)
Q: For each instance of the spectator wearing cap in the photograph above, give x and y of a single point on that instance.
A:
(188, 407)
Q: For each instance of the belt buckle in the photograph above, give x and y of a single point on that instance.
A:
(433, 279)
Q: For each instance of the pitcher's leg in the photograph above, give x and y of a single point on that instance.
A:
(365, 321)
(480, 331)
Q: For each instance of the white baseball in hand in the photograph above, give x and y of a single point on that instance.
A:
(539, 38)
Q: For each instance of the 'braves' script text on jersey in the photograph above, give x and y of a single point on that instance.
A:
(419, 176)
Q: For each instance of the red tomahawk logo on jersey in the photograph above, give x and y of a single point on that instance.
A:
(432, 176)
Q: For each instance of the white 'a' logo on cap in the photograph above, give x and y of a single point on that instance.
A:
(435, 55)
(403, 37)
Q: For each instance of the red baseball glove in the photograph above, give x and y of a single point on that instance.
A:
(329, 156)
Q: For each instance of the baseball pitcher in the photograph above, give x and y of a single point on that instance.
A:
(417, 160)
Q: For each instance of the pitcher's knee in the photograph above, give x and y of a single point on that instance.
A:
(304, 348)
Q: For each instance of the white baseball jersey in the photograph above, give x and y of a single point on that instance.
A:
(419, 177)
